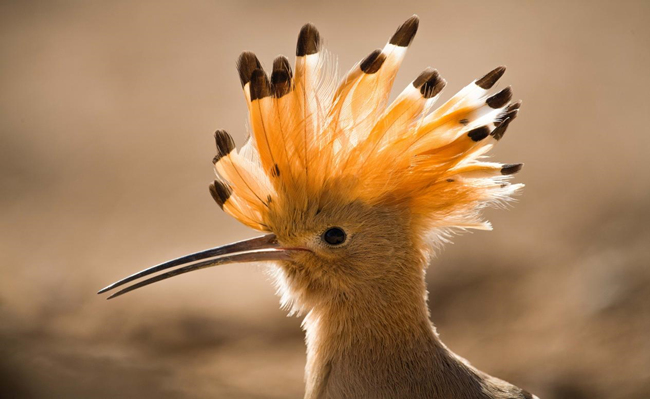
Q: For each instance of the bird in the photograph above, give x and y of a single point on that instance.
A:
(354, 194)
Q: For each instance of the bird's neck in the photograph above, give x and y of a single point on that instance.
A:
(362, 342)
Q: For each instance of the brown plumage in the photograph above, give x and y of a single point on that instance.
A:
(354, 192)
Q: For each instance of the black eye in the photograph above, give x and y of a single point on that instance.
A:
(334, 236)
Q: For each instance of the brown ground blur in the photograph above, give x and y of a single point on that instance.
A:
(107, 113)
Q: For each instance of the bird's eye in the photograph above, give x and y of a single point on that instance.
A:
(334, 236)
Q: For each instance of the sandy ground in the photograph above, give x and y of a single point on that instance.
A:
(106, 120)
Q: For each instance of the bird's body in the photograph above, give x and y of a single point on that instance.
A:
(354, 193)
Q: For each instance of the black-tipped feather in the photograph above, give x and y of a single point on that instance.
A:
(487, 81)
(479, 133)
(501, 129)
(308, 41)
(511, 168)
(433, 86)
(220, 192)
(500, 99)
(511, 115)
(424, 76)
(260, 86)
(372, 62)
(281, 76)
(405, 33)
(514, 106)
(281, 63)
(246, 64)
(225, 144)
(281, 83)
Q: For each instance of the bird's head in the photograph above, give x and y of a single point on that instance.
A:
(351, 190)
(348, 248)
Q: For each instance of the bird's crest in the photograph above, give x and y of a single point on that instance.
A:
(310, 136)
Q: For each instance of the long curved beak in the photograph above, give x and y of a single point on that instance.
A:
(263, 248)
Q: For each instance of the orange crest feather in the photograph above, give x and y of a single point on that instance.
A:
(309, 136)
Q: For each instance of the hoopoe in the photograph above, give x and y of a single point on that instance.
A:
(353, 192)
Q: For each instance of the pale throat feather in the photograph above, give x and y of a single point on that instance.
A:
(356, 343)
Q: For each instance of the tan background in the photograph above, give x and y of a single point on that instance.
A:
(106, 114)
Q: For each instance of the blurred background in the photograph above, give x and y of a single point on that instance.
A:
(106, 121)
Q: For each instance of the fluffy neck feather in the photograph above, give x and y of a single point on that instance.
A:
(383, 344)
